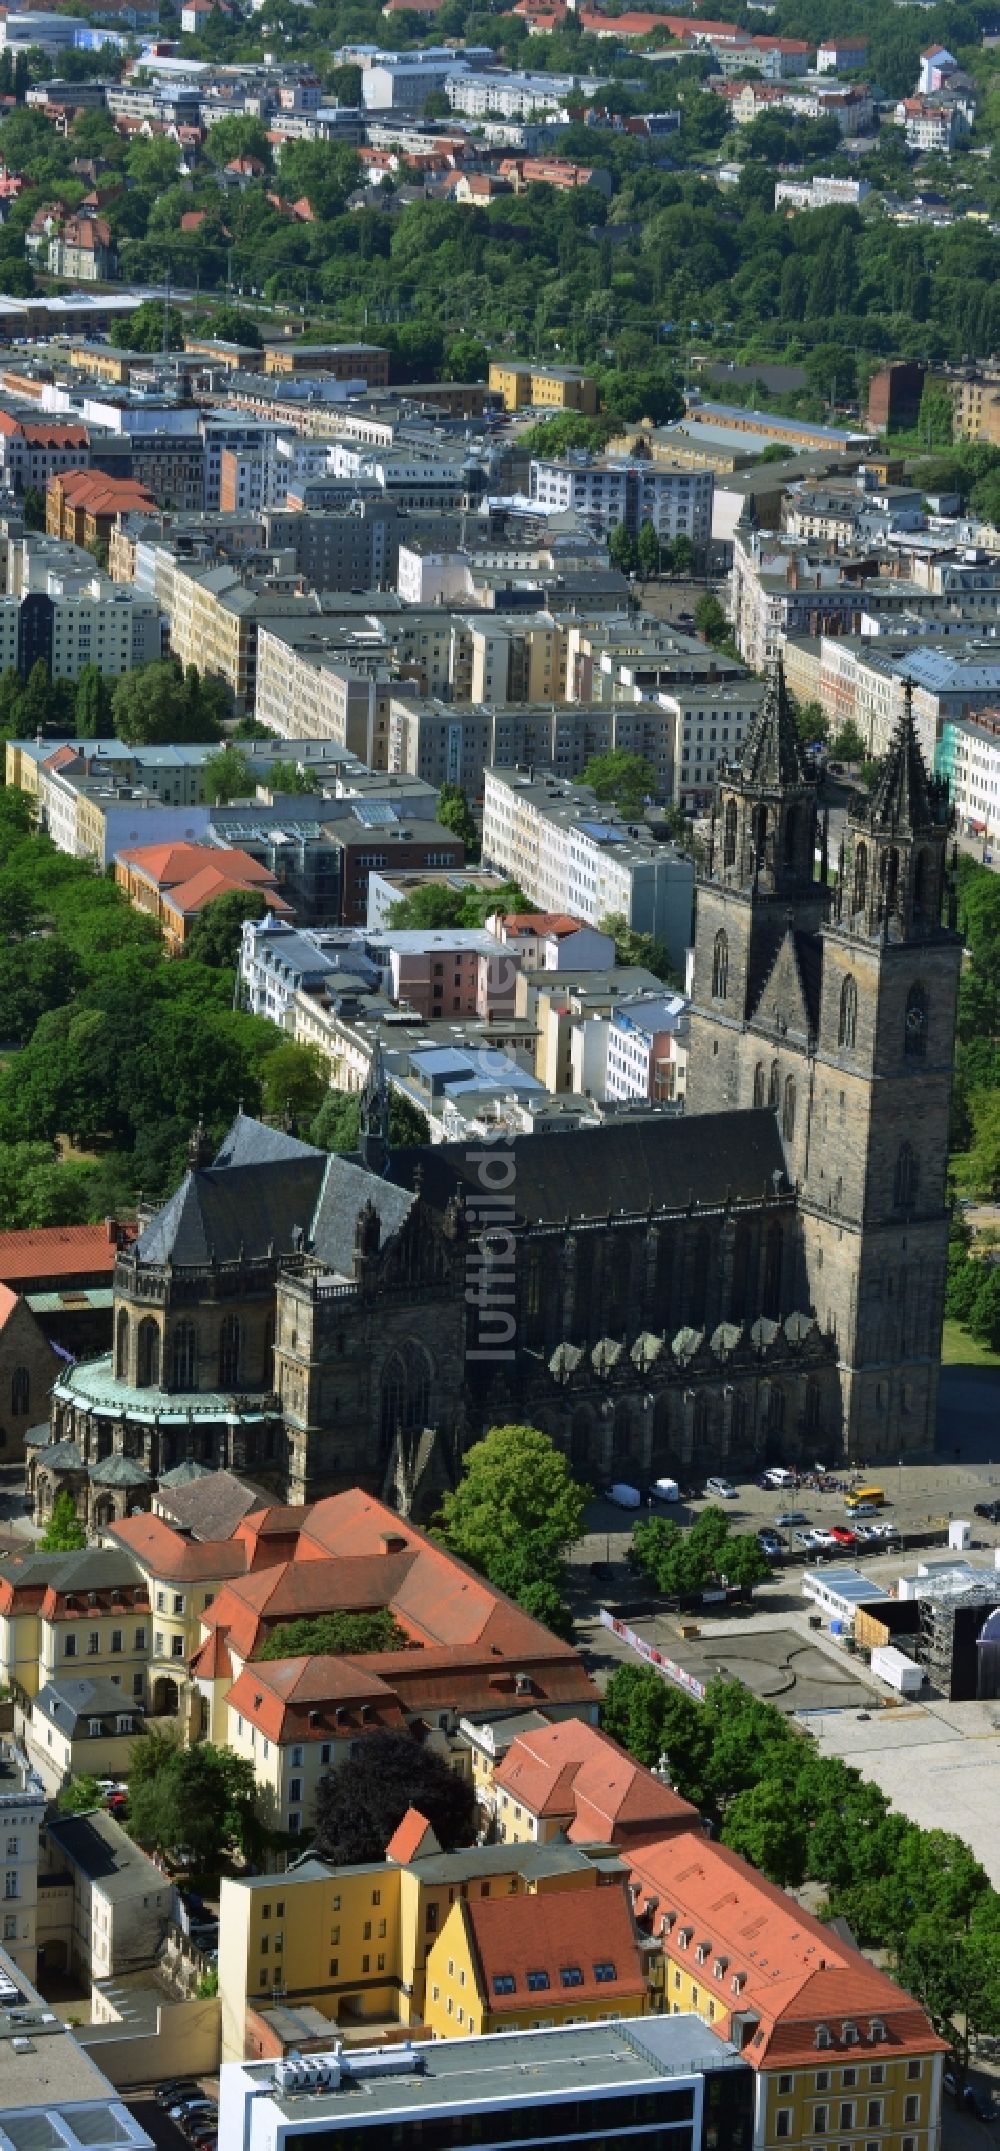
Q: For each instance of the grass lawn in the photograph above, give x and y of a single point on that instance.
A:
(958, 1349)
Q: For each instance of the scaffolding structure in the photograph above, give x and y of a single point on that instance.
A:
(941, 1599)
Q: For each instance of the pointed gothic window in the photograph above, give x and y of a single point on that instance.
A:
(788, 1110)
(720, 966)
(759, 1085)
(229, 1352)
(148, 1354)
(729, 834)
(773, 1086)
(848, 1030)
(915, 1029)
(121, 1346)
(907, 1177)
(791, 836)
(860, 878)
(183, 1356)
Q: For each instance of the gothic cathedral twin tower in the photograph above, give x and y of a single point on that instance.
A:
(830, 998)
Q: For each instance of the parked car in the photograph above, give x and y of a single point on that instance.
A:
(788, 1517)
(866, 1534)
(805, 1539)
(720, 1490)
(825, 1538)
(842, 1537)
(950, 2082)
(885, 1531)
(778, 1476)
(979, 2103)
(770, 1543)
(989, 1509)
(176, 2090)
(864, 1508)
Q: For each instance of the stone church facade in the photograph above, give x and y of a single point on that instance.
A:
(762, 1278)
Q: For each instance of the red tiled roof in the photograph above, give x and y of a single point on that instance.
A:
(320, 1698)
(413, 1835)
(570, 1769)
(8, 1302)
(170, 1554)
(553, 1931)
(69, 1251)
(796, 1973)
(555, 923)
(213, 1662)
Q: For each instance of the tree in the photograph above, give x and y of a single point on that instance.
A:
(33, 508)
(94, 703)
(648, 551)
(455, 813)
(984, 1314)
(64, 1533)
(197, 1805)
(710, 620)
(143, 330)
(847, 744)
(335, 1635)
(337, 1125)
(217, 932)
(79, 1797)
(234, 137)
(230, 324)
(935, 418)
(623, 551)
(812, 724)
(633, 947)
(515, 1485)
(681, 554)
(628, 779)
(760, 1826)
(227, 776)
(157, 706)
(294, 1080)
(361, 1803)
(290, 777)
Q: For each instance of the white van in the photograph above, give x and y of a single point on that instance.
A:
(625, 1497)
(665, 1490)
(778, 1476)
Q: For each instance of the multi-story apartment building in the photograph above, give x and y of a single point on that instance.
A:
(647, 1049)
(611, 490)
(312, 683)
(568, 852)
(356, 1940)
(214, 625)
(530, 383)
(33, 448)
(63, 1613)
(839, 2053)
(107, 1904)
(22, 1815)
(518, 1963)
(968, 754)
(824, 191)
(346, 362)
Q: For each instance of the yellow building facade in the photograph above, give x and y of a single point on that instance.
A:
(523, 385)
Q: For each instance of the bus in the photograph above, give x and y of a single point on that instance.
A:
(868, 1497)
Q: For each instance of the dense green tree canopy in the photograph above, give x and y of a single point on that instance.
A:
(362, 1802)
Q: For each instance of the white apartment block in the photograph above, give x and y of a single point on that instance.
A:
(609, 490)
(572, 854)
(647, 1050)
(822, 192)
(969, 756)
(22, 1814)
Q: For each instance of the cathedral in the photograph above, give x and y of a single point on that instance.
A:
(762, 1278)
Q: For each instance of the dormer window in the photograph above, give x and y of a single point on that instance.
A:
(849, 2034)
(877, 2030)
(685, 1936)
(720, 1967)
(823, 2038)
(701, 1952)
(739, 1982)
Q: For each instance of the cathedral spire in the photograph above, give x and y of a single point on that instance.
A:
(904, 799)
(374, 1135)
(773, 757)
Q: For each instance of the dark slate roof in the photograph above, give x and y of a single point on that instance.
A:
(904, 797)
(102, 1850)
(118, 1471)
(88, 1568)
(226, 1212)
(597, 1172)
(772, 754)
(346, 1189)
(210, 1506)
(67, 1701)
(250, 1142)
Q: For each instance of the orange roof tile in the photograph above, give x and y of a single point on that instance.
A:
(67, 1251)
(795, 1972)
(572, 1770)
(320, 1698)
(555, 1931)
(413, 1836)
(170, 1554)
